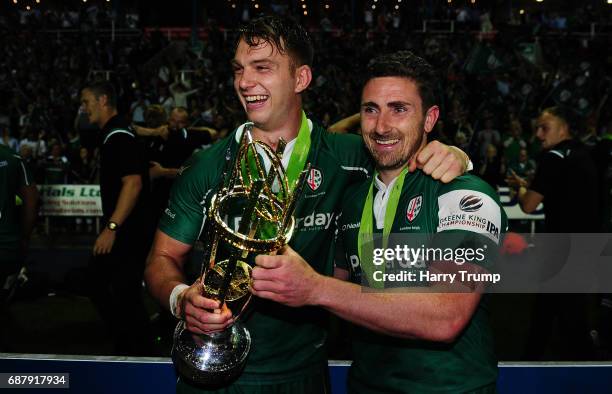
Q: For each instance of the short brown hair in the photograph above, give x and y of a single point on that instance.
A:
(155, 116)
(103, 88)
(567, 116)
(282, 33)
(405, 64)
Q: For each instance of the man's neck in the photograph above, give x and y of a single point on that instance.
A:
(287, 131)
(387, 176)
(105, 118)
(560, 142)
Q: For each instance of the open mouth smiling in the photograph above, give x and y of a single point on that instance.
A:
(255, 99)
(386, 142)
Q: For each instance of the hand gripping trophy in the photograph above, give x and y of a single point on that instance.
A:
(267, 201)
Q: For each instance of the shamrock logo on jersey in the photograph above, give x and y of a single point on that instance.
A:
(315, 178)
(414, 207)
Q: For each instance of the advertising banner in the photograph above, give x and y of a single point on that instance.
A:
(70, 200)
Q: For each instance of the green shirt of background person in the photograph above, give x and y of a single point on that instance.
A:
(16, 221)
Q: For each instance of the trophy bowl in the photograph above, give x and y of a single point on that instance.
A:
(213, 359)
(267, 202)
(218, 357)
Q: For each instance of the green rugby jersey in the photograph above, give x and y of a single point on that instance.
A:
(287, 342)
(13, 176)
(387, 364)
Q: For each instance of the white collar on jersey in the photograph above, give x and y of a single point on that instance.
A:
(381, 200)
(286, 153)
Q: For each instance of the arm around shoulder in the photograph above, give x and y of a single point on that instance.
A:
(289, 280)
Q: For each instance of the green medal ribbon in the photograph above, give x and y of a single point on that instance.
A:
(299, 154)
(365, 239)
(294, 168)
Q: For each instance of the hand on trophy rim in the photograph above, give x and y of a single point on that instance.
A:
(202, 315)
(285, 278)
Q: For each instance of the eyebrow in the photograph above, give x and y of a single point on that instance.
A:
(399, 104)
(370, 104)
(391, 104)
(235, 62)
(260, 61)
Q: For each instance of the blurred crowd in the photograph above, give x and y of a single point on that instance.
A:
(495, 75)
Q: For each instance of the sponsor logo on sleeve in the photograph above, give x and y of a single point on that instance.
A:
(315, 178)
(414, 207)
(169, 213)
(469, 210)
(470, 203)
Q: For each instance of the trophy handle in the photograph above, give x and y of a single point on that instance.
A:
(244, 227)
(210, 240)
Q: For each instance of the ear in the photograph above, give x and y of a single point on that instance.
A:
(431, 117)
(565, 130)
(303, 76)
(103, 100)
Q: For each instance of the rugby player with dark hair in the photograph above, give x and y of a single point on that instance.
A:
(418, 341)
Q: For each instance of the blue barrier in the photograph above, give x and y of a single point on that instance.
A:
(93, 375)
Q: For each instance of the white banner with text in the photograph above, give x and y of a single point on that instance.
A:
(70, 200)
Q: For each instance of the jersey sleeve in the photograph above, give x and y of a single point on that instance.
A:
(183, 219)
(24, 176)
(471, 221)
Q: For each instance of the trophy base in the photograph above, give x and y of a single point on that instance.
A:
(211, 359)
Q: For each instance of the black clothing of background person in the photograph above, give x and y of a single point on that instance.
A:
(567, 177)
(117, 276)
(172, 153)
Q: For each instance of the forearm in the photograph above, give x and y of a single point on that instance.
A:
(170, 173)
(164, 269)
(128, 196)
(162, 274)
(528, 199)
(162, 172)
(346, 124)
(147, 131)
(428, 316)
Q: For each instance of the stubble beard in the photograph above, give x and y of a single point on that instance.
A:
(393, 161)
